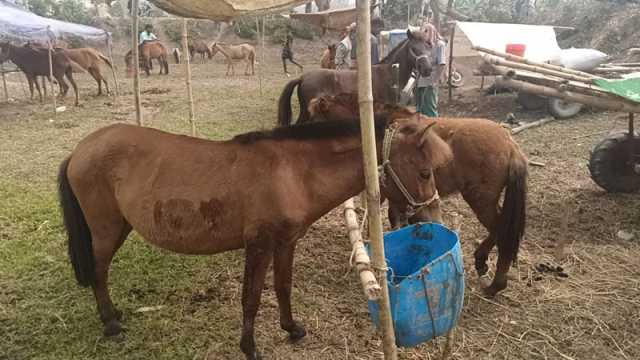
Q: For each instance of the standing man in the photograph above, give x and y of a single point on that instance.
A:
(375, 29)
(427, 86)
(343, 50)
(287, 53)
(147, 35)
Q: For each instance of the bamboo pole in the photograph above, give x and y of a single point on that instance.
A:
(453, 33)
(53, 90)
(365, 99)
(113, 67)
(4, 84)
(574, 97)
(360, 258)
(533, 124)
(259, 66)
(187, 64)
(136, 61)
(493, 60)
(520, 59)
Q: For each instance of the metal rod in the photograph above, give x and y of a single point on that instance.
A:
(4, 84)
(136, 61)
(453, 33)
(631, 130)
(53, 90)
(365, 99)
(113, 67)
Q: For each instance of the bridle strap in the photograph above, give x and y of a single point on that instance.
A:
(386, 168)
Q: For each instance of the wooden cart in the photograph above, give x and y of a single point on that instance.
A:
(615, 161)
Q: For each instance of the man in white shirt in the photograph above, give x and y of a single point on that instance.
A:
(147, 35)
(343, 50)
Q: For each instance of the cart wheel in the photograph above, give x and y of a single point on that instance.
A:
(561, 109)
(612, 165)
(531, 101)
(457, 80)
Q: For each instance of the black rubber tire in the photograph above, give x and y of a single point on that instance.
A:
(611, 166)
(561, 109)
(531, 101)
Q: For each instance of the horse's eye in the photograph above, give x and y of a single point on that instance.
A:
(425, 174)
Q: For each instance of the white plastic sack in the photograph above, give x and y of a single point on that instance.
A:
(580, 59)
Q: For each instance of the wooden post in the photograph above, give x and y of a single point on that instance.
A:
(136, 61)
(53, 90)
(113, 67)
(453, 33)
(365, 99)
(187, 64)
(4, 84)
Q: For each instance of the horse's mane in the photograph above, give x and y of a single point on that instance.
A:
(311, 131)
(394, 52)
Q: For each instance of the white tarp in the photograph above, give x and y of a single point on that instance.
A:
(20, 25)
(540, 41)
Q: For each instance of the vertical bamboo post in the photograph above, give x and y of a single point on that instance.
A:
(113, 66)
(53, 91)
(136, 61)
(4, 84)
(187, 64)
(453, 32)
(365, 99)
(259, 66)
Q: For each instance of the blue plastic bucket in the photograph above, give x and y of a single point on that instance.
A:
(426, 282)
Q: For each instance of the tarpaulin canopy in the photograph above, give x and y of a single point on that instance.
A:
(627, 88)
(17, 24)
(330, 19)
(224, 10)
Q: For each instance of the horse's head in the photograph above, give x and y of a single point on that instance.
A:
(410, 153)
(213, 48)
(419, 52)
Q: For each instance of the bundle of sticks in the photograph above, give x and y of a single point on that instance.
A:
(549, 80)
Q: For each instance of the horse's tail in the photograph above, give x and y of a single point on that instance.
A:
(284, 104)
(512, 220)
(80, 242)
(105, 59)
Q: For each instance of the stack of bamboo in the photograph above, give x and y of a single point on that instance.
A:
(548, 80)
(617, 69)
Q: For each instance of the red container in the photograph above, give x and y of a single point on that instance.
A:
(516, 49)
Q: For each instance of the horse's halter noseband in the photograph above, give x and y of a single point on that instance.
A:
(386, 168)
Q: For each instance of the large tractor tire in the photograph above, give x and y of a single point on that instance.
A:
(561, 109)
(612, 164)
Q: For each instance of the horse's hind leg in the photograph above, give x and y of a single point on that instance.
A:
(256, 263)
(485, 206)
(282, 270)
(69, 74)
(35, 81)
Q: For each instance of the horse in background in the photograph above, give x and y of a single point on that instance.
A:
(34, 62)
(200, 47)
(328, 59)
(149, 50)
(91, 60)
(486, 161)
(295, 176)
(412, 53)
(244, 52)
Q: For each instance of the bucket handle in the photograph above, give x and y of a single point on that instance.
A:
(426, 297)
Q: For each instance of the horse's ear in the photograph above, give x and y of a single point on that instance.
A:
(435, 147)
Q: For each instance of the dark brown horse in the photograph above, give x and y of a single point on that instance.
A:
(149, 50)
(259, 191)
(201, 48)
(486, 161)
(411, 53)
(35, 62)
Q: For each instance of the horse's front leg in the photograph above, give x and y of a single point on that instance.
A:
(282, 271)
(397, 217)
(255, 268)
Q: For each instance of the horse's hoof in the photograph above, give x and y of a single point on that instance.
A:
(253, 356)
(482, 269)
(117, 314)
(297, 333)
(112, 328)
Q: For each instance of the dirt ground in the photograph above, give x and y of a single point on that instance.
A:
(594, 313)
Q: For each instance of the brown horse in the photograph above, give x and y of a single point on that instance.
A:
(260, 191)
(244, 52)
(35, 62)
(91, 60)
(411, 53)
(328, 59)
(486, 160)
(149, 50)
(201, 48)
